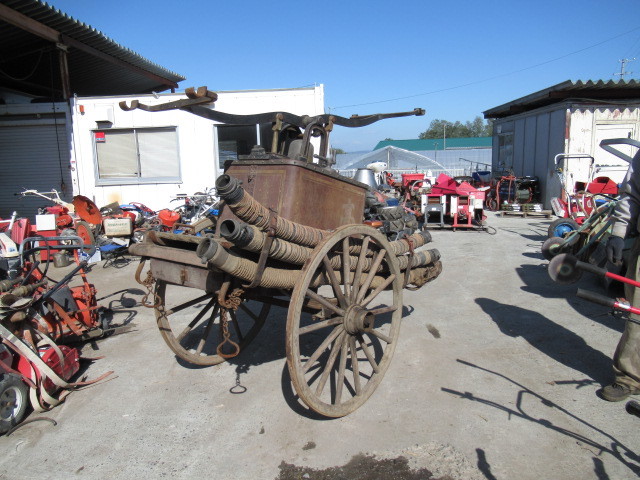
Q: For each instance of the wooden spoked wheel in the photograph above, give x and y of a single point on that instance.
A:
(341, 335)
(192, 325)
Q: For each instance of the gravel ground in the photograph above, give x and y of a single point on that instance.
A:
(495, 376)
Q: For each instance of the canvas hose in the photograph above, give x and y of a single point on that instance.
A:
(251, 238)
(247, 209)
(214, 255)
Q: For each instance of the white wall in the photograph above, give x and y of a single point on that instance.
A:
(591, 125)
(196, 138)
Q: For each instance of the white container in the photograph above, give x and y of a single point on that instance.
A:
(117, 227)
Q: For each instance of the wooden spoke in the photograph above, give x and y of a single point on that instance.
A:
(381, 336)
(372, 273)
(199, 316)
(378, 289)
(335, 285)
(359, 266)
(324, 302)
(354, 365)
(249, 312)
(332, 367)
(346, 266)
(367, 353)
(323, 346)
(188, 304)
(236, 325)
(381, 310)
(341, 369)
(335, 349)
(319, 325)
(195, 341)
(205, 335)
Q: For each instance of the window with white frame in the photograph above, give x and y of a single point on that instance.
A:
(137, 155)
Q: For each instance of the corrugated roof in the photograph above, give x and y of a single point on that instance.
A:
(104, 68)
(416, 145)
(614, 90)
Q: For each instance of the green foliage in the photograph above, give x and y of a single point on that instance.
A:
(443, 128)
(338, 151)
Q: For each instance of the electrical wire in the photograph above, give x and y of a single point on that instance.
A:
(33, 70)
(63, 186)
(489, 78)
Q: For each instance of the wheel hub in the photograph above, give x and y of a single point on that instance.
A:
(8, 404)
(358, 319)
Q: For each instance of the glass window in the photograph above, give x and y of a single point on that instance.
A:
(148, 155)
(234, 140)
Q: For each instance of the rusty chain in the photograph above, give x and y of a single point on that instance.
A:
(233, 301)
(226, 337)
(148, 283)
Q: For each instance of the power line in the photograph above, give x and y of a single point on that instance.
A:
(489, 78)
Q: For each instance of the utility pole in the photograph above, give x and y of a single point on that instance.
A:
(444, 136)
(623, 64)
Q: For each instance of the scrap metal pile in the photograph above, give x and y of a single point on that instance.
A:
(289, 234)
(37, 315)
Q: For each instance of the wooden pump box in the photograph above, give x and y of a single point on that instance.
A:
(301, 192)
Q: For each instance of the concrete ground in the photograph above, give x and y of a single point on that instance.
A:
(495, 376)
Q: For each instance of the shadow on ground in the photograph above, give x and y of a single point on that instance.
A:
(537, 281)
(610, 445)
(550, 338)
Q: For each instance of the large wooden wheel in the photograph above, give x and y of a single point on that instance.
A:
(338, 355)
(192, 324)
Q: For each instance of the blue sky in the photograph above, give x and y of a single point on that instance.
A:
(367, 52)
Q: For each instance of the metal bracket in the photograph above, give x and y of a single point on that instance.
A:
(266, 248)
(407, 272)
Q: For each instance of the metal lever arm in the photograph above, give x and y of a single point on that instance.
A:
(298, 121)
(607, 144)
(200, 96)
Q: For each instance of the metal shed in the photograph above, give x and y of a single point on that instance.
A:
(571, 118)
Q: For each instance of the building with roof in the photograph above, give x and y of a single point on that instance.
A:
(570, 118)
(61, 128)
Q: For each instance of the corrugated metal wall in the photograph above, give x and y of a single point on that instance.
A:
(539, 135)
(537, 138)
(34, 156)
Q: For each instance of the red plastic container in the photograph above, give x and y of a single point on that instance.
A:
(168, 217)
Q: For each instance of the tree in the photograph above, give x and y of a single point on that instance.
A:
(338, 151)
(443, 128)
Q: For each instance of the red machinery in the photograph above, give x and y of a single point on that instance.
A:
(34, 317)
(460, 202)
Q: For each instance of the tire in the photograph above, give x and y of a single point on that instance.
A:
(561, 226)
(552, 247)
(83, 230)
(14, 399)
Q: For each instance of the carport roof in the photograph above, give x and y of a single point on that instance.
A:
(31, 36)
(569, 90)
